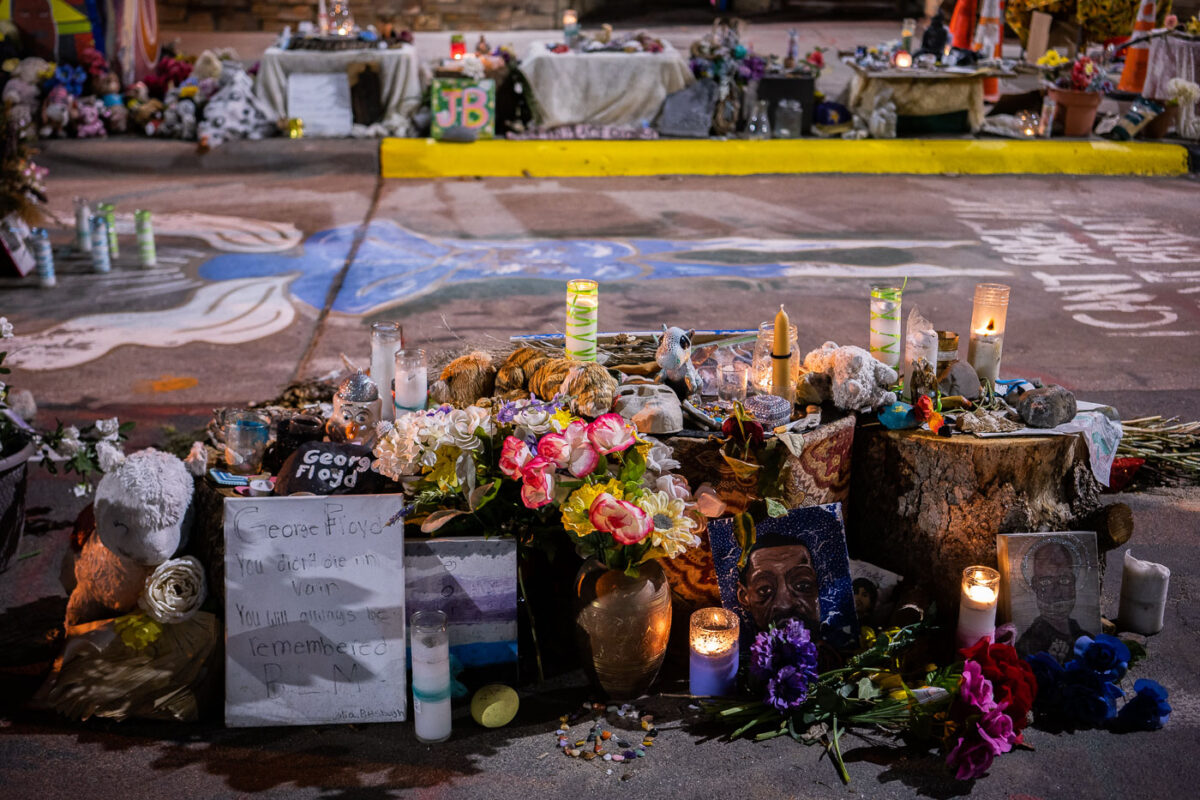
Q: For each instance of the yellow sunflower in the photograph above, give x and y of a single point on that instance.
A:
(673, 528)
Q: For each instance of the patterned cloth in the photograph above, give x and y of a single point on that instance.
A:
(235, 113)
(821, 475)
(1101, 19)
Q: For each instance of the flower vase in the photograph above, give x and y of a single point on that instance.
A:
(622, 625)
(13, 469)
(1078, 110)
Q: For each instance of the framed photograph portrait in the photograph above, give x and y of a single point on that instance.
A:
(796, 567)
(1050, 589)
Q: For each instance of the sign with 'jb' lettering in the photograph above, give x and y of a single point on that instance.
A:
(463, 109)
(314, 610)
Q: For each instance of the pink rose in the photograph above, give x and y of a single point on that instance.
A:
(514, 455)
(610, 433)
(570, 450)
(971, 758)
(538, 483)
(627, 523)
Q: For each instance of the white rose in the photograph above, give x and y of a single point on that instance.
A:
(535, 421)
(81, 489)
(175, 590)
(674, 487)
(70, 444)
(462, 431)
(660, 458)
(109, 429)
(109, 455)
(6, 328)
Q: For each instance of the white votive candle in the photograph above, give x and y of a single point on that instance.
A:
(386, 339)
(977, 605)
(430, 676)
(411, 381)
(1143, 595)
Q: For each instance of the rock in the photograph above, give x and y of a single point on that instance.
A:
(960, 379)
(495, 705)
(1047, 407)
(325, 468)
(689, 112)
(981, 421)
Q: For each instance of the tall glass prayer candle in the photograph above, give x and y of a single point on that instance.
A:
(885, 324)
(977, 605)
(83, 230)
(386, 339)
(781, 357)
(101, 257)
(987, 329)
(907, 29)
(430, 675)
(458, 46)
(411, 381)
(583, 317)
(713, 659)
(43, 256)
(570, 21)
(147, 256)
(110, 219)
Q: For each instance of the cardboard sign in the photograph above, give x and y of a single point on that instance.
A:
(314, 611)
(463, 109)
(17, 256)
(322, 101)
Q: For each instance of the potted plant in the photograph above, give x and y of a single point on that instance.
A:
(1077, 87)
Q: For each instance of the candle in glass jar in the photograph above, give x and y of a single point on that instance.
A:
(988, 317)
(411, 381)
(713, 658)
(781, 356)
(583, 316)
(386, 339)
(430, 676)
(570, 21)
(885, 324)
(977, 605)
(1143, 595)
(903, 59)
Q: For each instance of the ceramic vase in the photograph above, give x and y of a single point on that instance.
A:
(1078, 110)
(622, 625)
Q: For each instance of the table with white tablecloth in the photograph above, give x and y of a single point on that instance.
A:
(601, 88)
(399, 76)
(1173, 57)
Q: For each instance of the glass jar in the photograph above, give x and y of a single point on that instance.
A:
(789, 119)
(386, 339)
(760, 369)
(246, 435)
(759, 124)
(430, 675)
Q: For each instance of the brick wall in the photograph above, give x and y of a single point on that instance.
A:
(421, 15)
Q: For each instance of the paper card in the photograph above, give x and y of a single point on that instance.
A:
(14, 233)
(314, 611)
(322, 101)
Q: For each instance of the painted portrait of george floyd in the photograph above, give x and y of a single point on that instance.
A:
(1050, 589)
(797, 567)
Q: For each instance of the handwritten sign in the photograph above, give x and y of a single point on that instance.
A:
(463, 108)
(322, 101)
(314, 611)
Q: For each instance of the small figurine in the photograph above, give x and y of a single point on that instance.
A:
(651, 407)
(482, 48)
(935, 37)
(674, 356)
(356, 409)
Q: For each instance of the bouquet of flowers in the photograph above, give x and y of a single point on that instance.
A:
(1081, 75)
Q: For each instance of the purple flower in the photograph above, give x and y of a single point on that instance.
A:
(970, 758)
(508, 410)
(1105, 655)
(1147, 711)
(976, 690)
(789, 688)
(996, 728)
(778, 647)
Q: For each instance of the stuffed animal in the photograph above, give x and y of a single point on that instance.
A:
(108, 87)
(57, 113)
(465, 380)
(856, 381)
(589, 385)
(139, 519)
(88, 123)
(21, 101)
(208, 65)
(674, 355)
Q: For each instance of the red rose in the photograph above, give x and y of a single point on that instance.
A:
(748, 432)
(1012, 678)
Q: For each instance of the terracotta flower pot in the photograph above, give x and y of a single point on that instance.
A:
(622, 625)
(13, 469)
(1077, 109)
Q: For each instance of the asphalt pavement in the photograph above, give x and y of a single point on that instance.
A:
(269, 274)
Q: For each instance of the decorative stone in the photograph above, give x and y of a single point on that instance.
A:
(688, 113)
(616, 757)
(651, 407)
(1047, 407)
(960, 379)
(606, 735)
(608, 757)
(629, 754)
(326, 468)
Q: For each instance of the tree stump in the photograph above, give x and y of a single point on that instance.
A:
(927, 506)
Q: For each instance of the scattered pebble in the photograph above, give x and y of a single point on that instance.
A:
(606, 735)
(608, 757)
(616, 757)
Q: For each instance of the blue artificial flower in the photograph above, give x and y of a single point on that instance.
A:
(788, 689)
(1046, 669)
(1087, 699)
(1148, 710)
(1106, 655)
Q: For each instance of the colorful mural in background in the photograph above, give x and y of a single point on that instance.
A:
(60, 30)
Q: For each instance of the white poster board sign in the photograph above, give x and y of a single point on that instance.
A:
(314, 611)
(322, 101)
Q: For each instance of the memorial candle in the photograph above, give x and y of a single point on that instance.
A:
(1143, 595)
(885, 324)
(411, 381)
(430, 676)
(458, 47)
(386, 339)
(713, 660)
(583, 315)
(987, 330)
(570, 21)
(781, 356)
(977, 605)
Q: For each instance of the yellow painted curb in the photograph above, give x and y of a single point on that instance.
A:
(425, 158)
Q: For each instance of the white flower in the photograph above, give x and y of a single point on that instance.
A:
(673, 529)
(6, 328)
(70, 444)
(109, 455)
(533, 421)
(659, 459)
(674, 487)
(462, 429)
(109, 429)
(175, 590)
(398, 453)
(81, 489)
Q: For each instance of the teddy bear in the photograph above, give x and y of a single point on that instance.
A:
(22, 95)
(57, 113)
(140, 518)
(88, 122)
(849, 376)
(107, 87)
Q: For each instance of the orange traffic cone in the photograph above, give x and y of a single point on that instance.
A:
(962, 24)
(1137, 55)
(990, 37)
